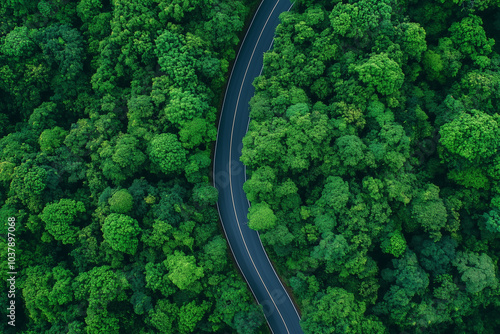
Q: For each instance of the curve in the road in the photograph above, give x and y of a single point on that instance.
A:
(229, 173)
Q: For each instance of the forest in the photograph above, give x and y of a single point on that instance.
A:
(107, 122)
(372, 152)
(374, 155)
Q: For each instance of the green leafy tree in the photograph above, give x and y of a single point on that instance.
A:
(87, 9)
(185, 107)
(395, 304)
(27, 186)
(141, 302)
(395, 244)
(140, 115)
(261, 217)
(381, 73)
(51, 139)
(17, 147)
(196, 167)
(19, 43)
(164, 316)
(471, 137)
(336, 311)
(215, 254)
(429, 211)
(101, 286)
(167, 153)
(480, 90)
(225, 21)
(183, 271)
(231, 298)
(196, 132)
(205, 194)
(470, 38)
(477, 270)
(335, 195)
(28, 183)
(156, 276)
(175, 59)
(121, 232)
(190, 314)
(249, 322)
(123, 159)
(492, 220)
(354, 20)
(6, 172)
(47, 292)
(436, 257)
(334, 250)
(408, 274)
(351, 151)
(443, 61)
(412, 40)
(121, 201)
(63, 47)
(259, 187)
(59, 219)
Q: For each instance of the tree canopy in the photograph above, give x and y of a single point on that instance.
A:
(107, 124)
(373, 164)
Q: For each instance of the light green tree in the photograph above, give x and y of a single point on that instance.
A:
(470, 137)
(183, 270)
(337, 311)
(412, 40)
(59, 218)
(164, 316)
(18, 42)
(121, 201)
(190, 314)
(381, 73)
(51, 139)
(261, 217)
(205, 194)
(167, 153)
(469, 37)
(394, 244)
(47, 291)
(121, 232)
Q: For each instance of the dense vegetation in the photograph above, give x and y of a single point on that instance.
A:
(373, 150)
(107, 117)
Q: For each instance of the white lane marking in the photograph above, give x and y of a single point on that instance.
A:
(230, 162)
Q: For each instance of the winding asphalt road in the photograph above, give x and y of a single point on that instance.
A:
(230, 173)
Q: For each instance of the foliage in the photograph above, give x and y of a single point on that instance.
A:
(121, 201)
(107, 123)
(121, 232)
(59, 218)
(371, 153)
(166, 151)
(373, 141)
(261, 217)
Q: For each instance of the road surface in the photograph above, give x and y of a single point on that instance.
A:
(229, 173)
